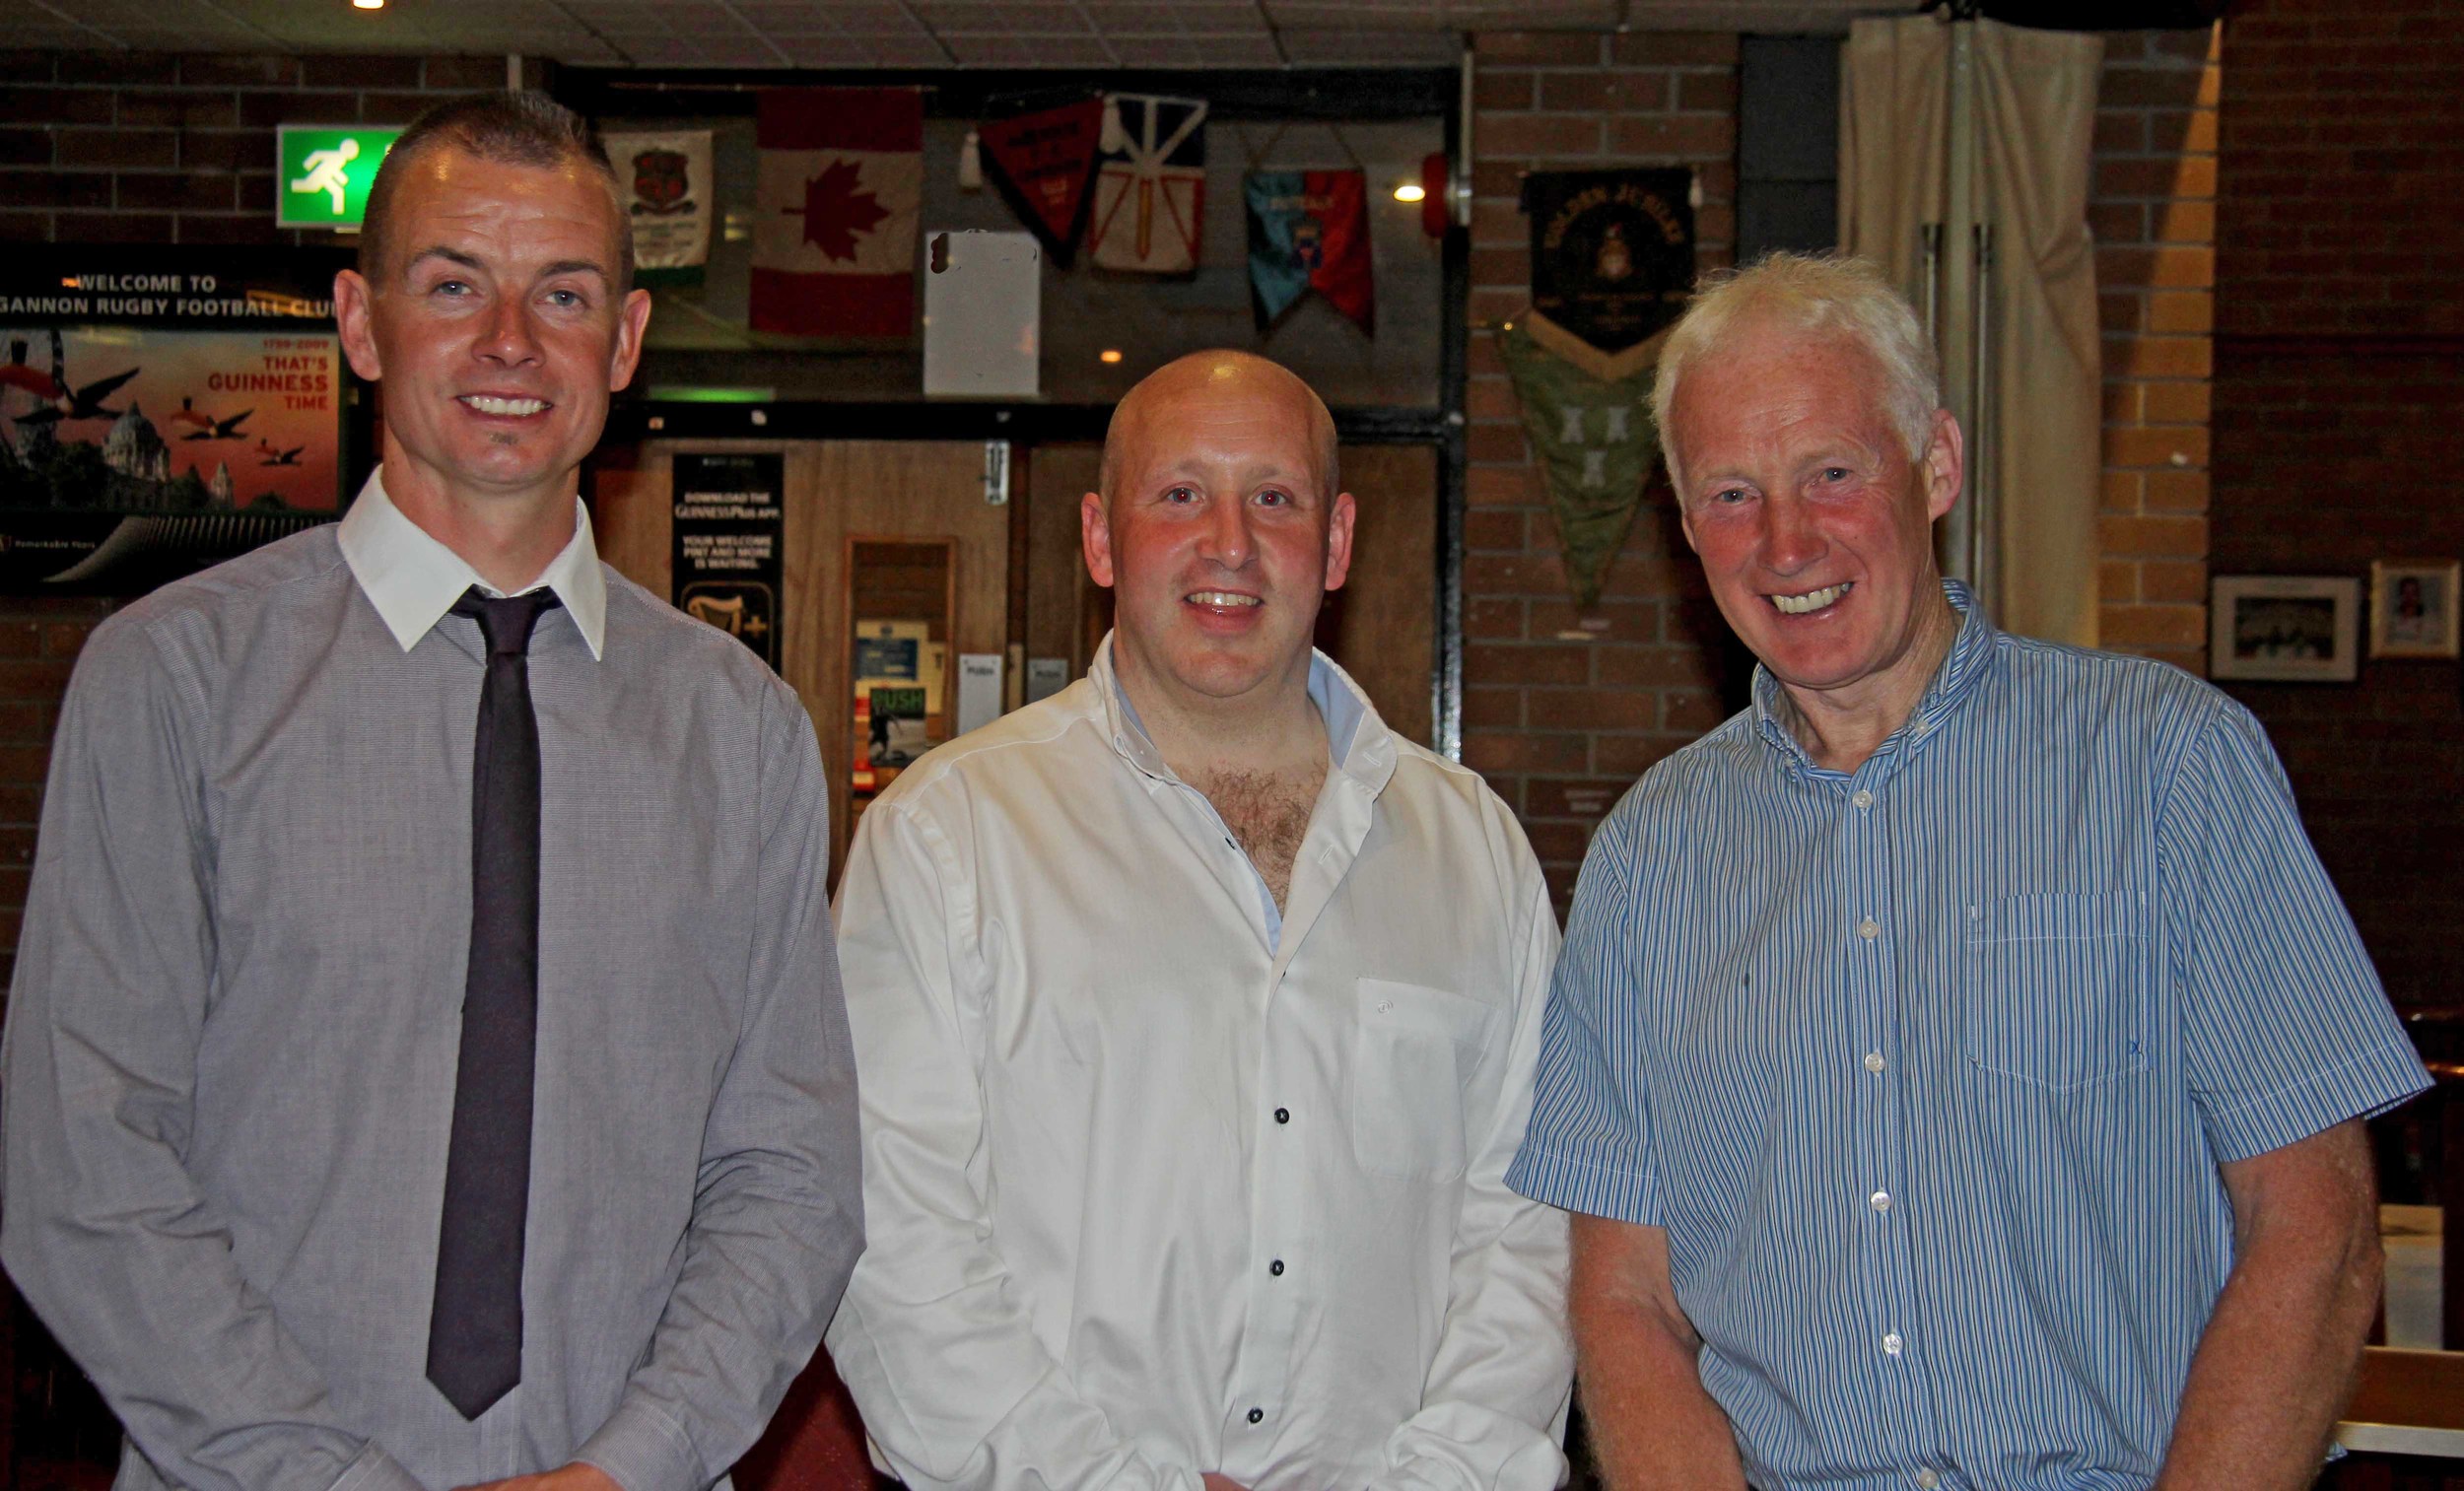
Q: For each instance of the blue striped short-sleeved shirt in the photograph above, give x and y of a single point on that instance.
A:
(1927, 1069)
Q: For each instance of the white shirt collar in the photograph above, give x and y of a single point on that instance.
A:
(413, 579)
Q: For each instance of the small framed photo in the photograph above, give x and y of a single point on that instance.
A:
(2413, 608)
(2286, 628)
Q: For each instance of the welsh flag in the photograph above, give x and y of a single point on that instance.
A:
(833, 221)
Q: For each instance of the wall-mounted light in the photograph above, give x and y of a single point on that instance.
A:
(1410, 191)
(1109, 355)
(368, 5)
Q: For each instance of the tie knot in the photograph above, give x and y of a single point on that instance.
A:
(506, 620)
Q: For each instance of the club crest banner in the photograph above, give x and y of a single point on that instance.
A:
(1596, 444)
(1309, 230)
(1612, 262)
(666, 182)
(1044, 162)
(1150, 191)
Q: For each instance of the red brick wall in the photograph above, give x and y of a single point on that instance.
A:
(1563, 711)
(2339, 389)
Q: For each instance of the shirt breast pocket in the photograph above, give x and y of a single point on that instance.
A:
(1414, 1051)
(2055, 991)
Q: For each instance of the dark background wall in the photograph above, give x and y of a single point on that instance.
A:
(2339, 423)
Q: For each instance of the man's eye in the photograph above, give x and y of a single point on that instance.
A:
(1835, 473)
(567, 299)
(1181, 495)
(1271, 498)
(1730, 496)
(450, 288)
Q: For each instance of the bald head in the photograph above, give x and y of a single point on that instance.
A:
(1157, 412)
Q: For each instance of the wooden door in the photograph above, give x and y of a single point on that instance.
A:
(844, 498)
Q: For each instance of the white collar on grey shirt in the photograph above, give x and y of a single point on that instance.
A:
(412, 579)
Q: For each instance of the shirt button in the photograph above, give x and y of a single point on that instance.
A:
(1892, 1345)
(1284, 1114)
(1256, 1415)
(1863, 799)
(1873, 1063)
(1928, 1479)
(1275, 1268)
(1869, 930)
(1880, 1200)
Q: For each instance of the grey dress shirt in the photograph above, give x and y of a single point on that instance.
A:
(232, 1038)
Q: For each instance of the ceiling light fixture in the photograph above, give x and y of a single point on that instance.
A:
(368, 5)
(1109, 355)
(1410, 191)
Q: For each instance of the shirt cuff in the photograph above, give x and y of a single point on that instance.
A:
(2366, 1083)
(641, 1449)
(1574, 1184)
(375, 1470)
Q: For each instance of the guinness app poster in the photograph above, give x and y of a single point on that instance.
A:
(730, 511)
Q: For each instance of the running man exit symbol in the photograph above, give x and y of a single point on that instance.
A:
(325, 171)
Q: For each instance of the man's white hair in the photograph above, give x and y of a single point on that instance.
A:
(1817, 295)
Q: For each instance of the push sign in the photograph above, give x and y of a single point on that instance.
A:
(324, 173)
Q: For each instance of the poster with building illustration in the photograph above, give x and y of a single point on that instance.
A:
(157, 417)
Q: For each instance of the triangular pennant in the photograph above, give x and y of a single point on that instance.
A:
(1309, 230)
(1596, 444)
(1044, 163)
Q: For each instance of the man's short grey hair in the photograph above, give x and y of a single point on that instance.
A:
(1817, 295)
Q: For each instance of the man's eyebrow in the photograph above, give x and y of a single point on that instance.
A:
(573, 266)
(450, 255)
(468, 261)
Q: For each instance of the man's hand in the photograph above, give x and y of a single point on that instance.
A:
(1216, 1482)
(573, 1477)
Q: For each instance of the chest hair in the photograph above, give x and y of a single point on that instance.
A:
(1267, 813)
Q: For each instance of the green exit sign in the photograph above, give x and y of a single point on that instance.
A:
(325, 173)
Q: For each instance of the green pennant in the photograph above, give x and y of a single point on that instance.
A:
(1596, 447)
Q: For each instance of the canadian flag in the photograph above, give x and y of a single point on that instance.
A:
(833, 221)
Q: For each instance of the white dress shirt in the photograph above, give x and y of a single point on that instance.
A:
(1151, 1191)
(412, 579)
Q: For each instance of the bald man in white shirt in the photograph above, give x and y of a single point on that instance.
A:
(1196, 1013)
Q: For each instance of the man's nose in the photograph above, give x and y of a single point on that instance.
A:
(1229, 541)
(1790, 539)
(510, 336)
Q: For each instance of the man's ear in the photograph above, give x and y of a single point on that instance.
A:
(353, 309)
(1339, 540)
(1946, 464)
(633, 318)
(1095, 538)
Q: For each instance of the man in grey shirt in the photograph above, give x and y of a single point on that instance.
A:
(242, 1038)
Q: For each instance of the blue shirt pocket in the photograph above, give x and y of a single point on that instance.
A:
(2055, 990)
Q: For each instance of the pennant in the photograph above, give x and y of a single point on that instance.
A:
(1150, 191)
(1596, 447)
(666, 179)
(1612, 262)
(1309, 230)
(835, 209)
(1044, 163)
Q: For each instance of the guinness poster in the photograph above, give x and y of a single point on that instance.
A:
(163, 408)
(1612, 262)
(730, 513)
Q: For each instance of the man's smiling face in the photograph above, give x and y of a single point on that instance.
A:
(1220, 535)
(1814, 527)
(497, 326)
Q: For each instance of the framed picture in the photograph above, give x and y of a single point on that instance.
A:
(2413, 608)
(2286, 628)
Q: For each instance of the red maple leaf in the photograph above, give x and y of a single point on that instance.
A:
(834, 212)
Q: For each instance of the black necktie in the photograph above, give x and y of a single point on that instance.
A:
(475, 1329)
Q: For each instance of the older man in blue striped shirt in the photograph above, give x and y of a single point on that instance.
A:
(1956, 1059)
